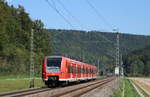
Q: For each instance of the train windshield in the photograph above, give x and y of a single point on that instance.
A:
(54, 62)
(53, 65)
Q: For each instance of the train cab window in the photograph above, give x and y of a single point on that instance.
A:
(54, 62)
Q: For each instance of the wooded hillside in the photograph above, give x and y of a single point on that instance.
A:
(93, 46)
(15, 33)
(137, 63)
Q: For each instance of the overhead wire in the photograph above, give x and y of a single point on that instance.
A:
(70, 14)
(99, 14)
(54, 5)
(104, 20)
(59, 13)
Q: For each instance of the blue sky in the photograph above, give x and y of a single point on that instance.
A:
(129, 16)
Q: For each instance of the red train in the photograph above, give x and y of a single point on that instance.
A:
(59, 69)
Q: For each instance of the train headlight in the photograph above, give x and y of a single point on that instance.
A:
(62, 73)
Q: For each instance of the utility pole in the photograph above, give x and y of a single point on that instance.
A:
(117, 67)
(98, 67)
(121, 66)
(32, 59)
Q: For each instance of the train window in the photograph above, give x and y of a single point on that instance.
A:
(79, 70)
(54, 62)
(74, 70)
(83, 70)
(86, 70)
(70, 69)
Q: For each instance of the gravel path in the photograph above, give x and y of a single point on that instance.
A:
(143, 83)
(104, 91)
(137, 89)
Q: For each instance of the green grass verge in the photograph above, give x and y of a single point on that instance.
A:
(18, 84)
(118, 93)
(15, 76)
(129, 90)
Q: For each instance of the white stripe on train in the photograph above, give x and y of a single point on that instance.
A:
(75, 79)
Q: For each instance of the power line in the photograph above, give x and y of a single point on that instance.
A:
(54, 7)
(69, 13)
(99, 14)
(58, 12)
(53, 4)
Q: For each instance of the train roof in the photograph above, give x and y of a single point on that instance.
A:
(54, 56)
(69, 59)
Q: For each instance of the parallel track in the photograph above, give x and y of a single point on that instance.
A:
(24, 92)
(39, 90)
(82, 90)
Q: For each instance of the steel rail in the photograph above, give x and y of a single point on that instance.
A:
(96, 84)
(24, 92)
(44, 89)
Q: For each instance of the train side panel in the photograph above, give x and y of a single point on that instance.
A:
(66, 70)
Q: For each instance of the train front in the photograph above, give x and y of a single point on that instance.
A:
(51, 70)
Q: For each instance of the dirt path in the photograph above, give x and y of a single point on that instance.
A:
(143, 83)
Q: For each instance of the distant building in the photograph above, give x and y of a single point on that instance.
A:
(117, 71)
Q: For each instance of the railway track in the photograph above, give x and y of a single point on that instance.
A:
(24, 92)
(77, 92)
(74, 92)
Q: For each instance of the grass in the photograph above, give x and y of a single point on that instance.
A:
(15, 76)
(118, 93)
(7, 85)
(129, 90)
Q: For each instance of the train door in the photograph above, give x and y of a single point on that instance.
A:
(71, 73)
(67, 70)
(82, 71)
(79, 71)
(76, 71)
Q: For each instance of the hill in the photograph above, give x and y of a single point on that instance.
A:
(93, 46)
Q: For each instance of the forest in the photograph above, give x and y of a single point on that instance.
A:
(94, 47)
(137, 63)
(15, 33)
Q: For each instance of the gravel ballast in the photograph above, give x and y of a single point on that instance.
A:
(104, 91)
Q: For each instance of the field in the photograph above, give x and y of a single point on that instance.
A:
(13, 83)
